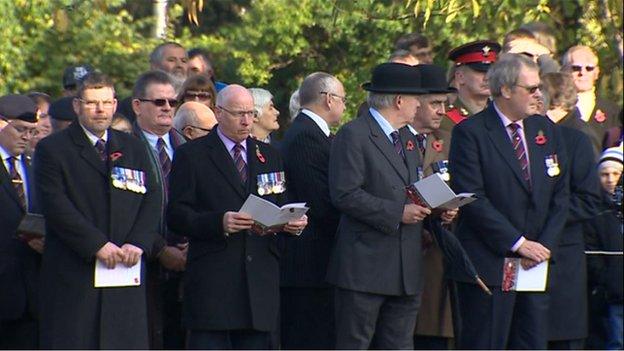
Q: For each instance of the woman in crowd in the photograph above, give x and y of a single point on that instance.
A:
(265, 121)
(199, 88)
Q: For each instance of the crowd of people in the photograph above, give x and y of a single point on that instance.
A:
(155, 182)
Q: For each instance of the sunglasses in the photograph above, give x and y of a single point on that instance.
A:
(577, 68)
(162, 102)
(198, 96)
(530, 90)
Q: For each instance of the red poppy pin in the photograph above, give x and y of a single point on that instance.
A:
(409, 146)
(540, 139)
(259, 155)
(115, 155)
(437, 145)
(600, 116)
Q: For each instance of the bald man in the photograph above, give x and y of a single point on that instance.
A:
(194, 120)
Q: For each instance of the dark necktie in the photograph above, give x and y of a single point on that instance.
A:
(16, 180)
(100, 147)
(163, 159)
(521, 155)
(396, 142)
(241, 166)
(421, 139)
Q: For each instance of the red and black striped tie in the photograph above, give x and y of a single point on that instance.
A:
(521, 155)
(16, 180)
(241, 166)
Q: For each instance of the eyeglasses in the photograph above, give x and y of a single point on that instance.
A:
(95, 103)
(240, 114)
(200, 128)
(342, 98)
(579, 68)
(25, 131)
(198, 96)
(531, 89)
(162, 102)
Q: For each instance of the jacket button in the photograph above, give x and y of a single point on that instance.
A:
(249, 258)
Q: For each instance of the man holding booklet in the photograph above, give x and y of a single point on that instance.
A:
(232, 276)
(516, 166)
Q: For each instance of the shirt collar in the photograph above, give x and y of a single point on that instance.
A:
(506, 121)
(386, 127)
(318, 120)
(5, 155)
(229, 143)
(152, 139)
(92, 137)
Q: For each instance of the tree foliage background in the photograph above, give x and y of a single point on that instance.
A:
(275, 43)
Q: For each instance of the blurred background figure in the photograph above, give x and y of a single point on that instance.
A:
(199, 88)
(171, 58)
(74, 75)
(62, 113)
(293, 105)
(418, 45)
(604, 233)
(265, 120)
(200, 62)
(44, 126)
(121, 123)
(194, 120)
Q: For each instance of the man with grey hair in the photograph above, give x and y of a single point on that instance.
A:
(581, 62)
(172, 58)
(375, 264)
(307, 316)
(194, 119)
(503, 148)
(293, 104)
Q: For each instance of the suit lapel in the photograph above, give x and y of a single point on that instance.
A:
(500, 139)
(223, 162)
(386, 148)
(252, 165)
(537, 155)
(412, 157)
(87, 151)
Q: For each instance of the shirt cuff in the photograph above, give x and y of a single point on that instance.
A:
(518, 243)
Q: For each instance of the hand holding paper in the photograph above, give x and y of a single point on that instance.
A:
(234, 222)
(413, 213)
(110, 254)
(269, 218)
(296, 226)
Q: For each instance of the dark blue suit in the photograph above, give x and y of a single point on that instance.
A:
(483, 161)
(19, 267)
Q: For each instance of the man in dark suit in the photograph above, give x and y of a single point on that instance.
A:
(101, 206)
(376, 262)
(154, 103)
(434, 326)
(517, 167)
(232, 275)
(307, 308)
(581, 62)
(20, 257)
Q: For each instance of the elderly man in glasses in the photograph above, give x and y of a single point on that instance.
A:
(154, 103)
(600, 115)
(194, 120)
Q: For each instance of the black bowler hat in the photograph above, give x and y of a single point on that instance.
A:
(478, 55)
(434, 80)
(18, 107)
(75, 74)
(395, 78)
(63, 109)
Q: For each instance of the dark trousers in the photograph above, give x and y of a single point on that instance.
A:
(574, 344)
(422, 342)
(174, 335)
(360, 316)
(21, 334)
(505, 320)
(307, 318)
(228, 340)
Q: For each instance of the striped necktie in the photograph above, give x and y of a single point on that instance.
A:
(163, 158)
(16, 180)
(241, 166)
(396, 142)
(521, 155)
(421, 139)
(100, 147)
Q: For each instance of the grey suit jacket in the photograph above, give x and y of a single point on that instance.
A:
(374, 252)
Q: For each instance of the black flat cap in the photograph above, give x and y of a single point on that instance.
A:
(434, 80)
(20, 107)
(478, 55)
(75, 74)
(395, 78)
(63, 109)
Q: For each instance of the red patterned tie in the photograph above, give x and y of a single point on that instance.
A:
(241, 166)
(396, 142)
(18, 183)
(163, 158)
(521, 155)
(100, 147)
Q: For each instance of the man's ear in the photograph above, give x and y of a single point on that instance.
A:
(506, 92)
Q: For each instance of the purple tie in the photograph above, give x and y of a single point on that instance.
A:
(422, 142)
(163, 158)
(241, 166)
(521, 155)
(396, 142)
(16, 180)
(100, 147)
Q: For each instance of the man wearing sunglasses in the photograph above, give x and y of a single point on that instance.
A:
(154, 103)
(599, 114)
(19, 259)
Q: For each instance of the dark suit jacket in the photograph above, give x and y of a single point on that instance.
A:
(231, 282)
(483, 161)
(600, 128)
(84, 211)
(19, 264)
(374, 251)
(568, 279)
(305, 149)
